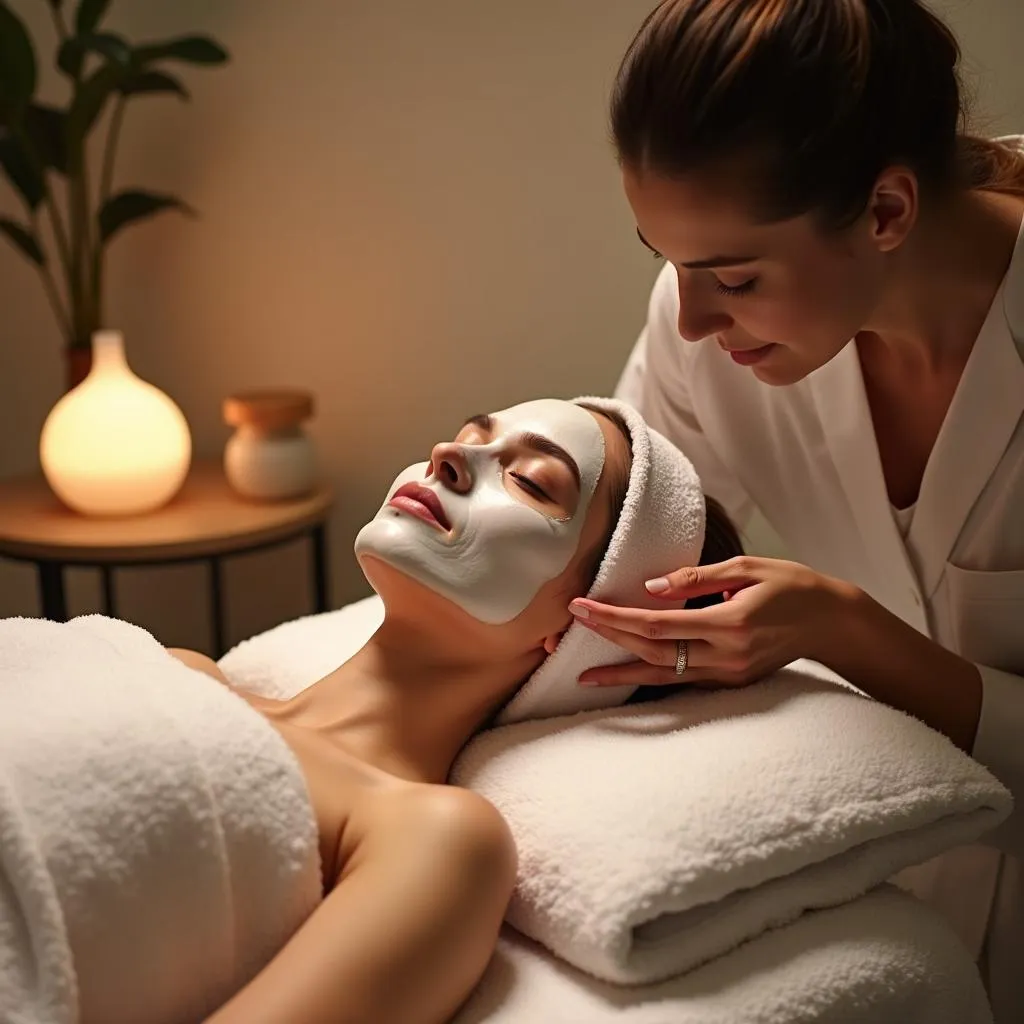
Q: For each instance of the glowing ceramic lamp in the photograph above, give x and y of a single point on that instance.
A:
(114, 445)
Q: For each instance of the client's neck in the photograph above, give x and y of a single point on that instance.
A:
(406, 706)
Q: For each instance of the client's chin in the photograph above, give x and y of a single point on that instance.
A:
(405, 593)
(390, 551)
(426, 587)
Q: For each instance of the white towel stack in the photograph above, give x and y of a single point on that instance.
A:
(882, 959)
(654, 838)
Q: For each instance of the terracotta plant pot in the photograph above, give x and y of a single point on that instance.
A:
(77, 364)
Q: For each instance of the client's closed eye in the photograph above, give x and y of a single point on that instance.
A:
(531, 486)
(535, 470)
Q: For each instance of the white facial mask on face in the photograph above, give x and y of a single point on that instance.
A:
(500, 551)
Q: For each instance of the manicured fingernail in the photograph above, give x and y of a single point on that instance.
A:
(579, 611)
(589, 682)
(658, 586)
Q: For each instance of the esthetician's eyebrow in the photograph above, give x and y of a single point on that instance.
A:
(709, 264)
(535, 442)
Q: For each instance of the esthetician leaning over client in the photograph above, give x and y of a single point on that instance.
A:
(837, 340)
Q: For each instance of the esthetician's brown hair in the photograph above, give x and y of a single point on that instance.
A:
(801, 103)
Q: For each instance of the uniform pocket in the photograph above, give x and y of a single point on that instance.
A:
(987, 615)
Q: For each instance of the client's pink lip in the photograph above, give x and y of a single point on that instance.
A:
(422, 502)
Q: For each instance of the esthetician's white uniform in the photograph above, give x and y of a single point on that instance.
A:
(953, 566)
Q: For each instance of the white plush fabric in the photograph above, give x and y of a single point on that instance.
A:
(883, 959)
(157, 845)
(655, 837)
(660, 528)
(283, 660)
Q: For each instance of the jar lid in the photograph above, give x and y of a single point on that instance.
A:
(269, 409)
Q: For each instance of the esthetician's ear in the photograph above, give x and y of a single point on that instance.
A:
(552, 641)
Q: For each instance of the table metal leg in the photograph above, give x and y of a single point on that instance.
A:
(319, 550)
(217, 607)
(51, 591)
(109, 599)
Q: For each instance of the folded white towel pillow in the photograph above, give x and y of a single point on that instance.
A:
(653, 838)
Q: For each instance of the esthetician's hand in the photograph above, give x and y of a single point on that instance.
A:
(774, 613)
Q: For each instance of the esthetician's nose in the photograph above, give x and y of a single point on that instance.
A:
(449, 464)
(698, 317)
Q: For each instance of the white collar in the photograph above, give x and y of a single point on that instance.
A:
(1013, 292)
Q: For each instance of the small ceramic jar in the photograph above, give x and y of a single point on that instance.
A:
(269, 456)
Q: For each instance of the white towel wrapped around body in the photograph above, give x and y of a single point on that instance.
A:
(655, 837)
(157, 841)
(883, 959)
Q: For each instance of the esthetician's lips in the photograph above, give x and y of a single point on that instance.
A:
(422, 502)
(749, 356)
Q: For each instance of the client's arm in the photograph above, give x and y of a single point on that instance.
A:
(409, 928)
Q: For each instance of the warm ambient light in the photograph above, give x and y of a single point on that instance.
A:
(114, 445)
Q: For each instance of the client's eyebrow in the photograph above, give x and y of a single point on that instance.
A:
(535, 442)
(709, 264)
(482, 420)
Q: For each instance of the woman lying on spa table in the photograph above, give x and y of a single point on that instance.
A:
(475, 556)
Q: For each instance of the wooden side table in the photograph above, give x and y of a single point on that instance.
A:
(206, 521)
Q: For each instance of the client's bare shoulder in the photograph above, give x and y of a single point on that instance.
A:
(350, 798)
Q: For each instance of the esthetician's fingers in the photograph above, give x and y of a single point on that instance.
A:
(654, 652)
(642, 673)
(671, 624)
(702, 580)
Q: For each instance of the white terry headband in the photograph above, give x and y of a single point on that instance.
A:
(660, 528)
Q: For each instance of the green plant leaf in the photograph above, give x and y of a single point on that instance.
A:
(74, 50)
(89, 14)
(24, 240)
(153, 81)
(190, 49)
(45, 128)
(89, 100)
(20, 170)
(126, 207)
(17, 64)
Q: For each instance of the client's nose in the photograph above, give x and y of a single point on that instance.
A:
(448, 463)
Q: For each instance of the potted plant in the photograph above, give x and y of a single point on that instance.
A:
(44, 153)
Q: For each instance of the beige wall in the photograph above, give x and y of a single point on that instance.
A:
(991, 34)
(410, 208)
